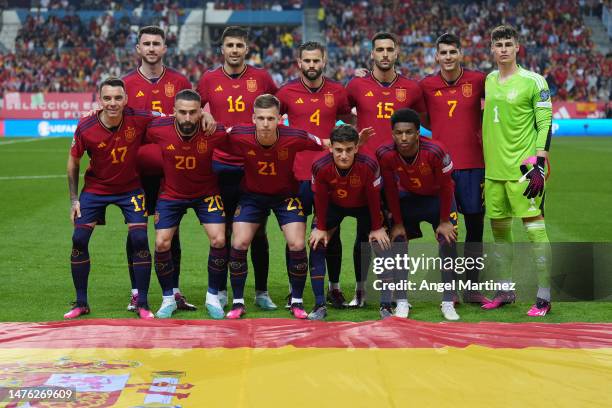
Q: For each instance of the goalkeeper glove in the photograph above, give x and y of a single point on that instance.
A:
(536, 177)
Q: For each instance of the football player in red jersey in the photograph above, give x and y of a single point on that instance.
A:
(153, 86)
(268, 150)
(453, 99)
(382, 91)
(230, 91)
(111, 138)
(346, 184)
(376, 96)
(418, 187)
(189, 182)
(314, 103)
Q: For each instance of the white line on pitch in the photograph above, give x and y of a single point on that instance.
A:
(49, 176)
(35, 139)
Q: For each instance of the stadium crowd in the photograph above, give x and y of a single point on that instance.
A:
(70, 55)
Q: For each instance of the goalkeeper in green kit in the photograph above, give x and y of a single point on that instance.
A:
(516, 130)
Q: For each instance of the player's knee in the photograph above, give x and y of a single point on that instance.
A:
(81, 236)
(162, 244)
(218, 240)
(240, 243)
(297, 244)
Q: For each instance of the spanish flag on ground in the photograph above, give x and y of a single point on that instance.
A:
(289, 363)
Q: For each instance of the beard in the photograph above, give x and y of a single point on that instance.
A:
(187, 128)
(312, 75)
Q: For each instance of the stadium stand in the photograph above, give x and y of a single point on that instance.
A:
(71, 49)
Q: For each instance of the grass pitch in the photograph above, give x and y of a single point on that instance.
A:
(36, 231)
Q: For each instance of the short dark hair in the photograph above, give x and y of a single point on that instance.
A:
(384, 35)
(235, 31)
(188, 95)
(344, 133)
(111, 81)
(311, 46)
(266, 101)
(152, 30)
(448, 39)
(405, 115)
(504, 32)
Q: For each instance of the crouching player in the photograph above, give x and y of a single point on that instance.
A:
(418, 187)
(345, 184)
(189, 183)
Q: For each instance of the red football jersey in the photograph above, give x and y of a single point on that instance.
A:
(187, 163)
(267, 170)
(376, 102)
(358, 187)
(456, 117)
(112, 153)
(155, 96)
(428, 174)
(315, 111)
(231, 98)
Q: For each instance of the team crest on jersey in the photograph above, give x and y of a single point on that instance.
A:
(355, 180)
(283, 153)
(400, 95)
(169, 89)
(202, 146)
(329, 100)
(424, 169)
(130, 134)
(251, 85)
(466, 90)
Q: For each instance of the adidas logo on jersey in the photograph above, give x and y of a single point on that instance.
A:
(219, 89)
(369, 93)
(251, 153)
(170, 147)
(438, 93)
(101, 145)
(299, 101)
(139, 94)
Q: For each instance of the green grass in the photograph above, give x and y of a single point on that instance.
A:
(36, 231)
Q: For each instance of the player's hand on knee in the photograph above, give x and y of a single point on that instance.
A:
(208, 123)
(447, 231)
(317, 236)
(380, 236)
(75, 210)
(398, 230)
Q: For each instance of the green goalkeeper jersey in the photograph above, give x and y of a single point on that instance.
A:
(517, 121)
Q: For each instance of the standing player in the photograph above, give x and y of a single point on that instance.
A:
(230, 92)
(376, 96)
(111, 139)
(152, 86)
(418, 187)
(314, 103)
(346, 184)
(453, 99)
(516, 128)
(189, 182)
